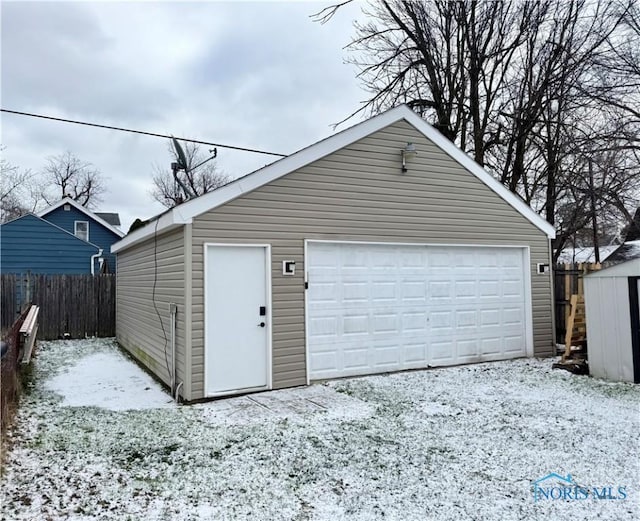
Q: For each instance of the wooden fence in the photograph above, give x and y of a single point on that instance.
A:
(9, 301)
(567, 282)
(10, 374)
(71, 306)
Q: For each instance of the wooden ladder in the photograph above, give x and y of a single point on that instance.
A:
(576, 325)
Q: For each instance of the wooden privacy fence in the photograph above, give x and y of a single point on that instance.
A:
(9, 304)
(10, 376)
(71, 306)
(567, 282)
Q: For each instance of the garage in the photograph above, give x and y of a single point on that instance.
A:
(375, 308)
(381, 248)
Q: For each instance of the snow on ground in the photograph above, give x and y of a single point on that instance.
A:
(452, 443)
(110, 381)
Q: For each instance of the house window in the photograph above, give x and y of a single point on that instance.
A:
(81, 230)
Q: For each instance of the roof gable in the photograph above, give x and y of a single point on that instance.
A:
(110, 217)
(85, 211)
(185, 212)
(626, 251)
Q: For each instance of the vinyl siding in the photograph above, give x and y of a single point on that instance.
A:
(359, 194)
(138, 328)
(30, 243)
(98, 234)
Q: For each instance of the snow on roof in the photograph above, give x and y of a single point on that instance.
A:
(627, 251)
(585, 254)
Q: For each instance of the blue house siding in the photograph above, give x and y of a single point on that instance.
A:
(98, 234)
(33, 244)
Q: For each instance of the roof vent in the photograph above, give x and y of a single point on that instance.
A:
(67, 207)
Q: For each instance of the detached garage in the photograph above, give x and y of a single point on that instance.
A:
(381, 248)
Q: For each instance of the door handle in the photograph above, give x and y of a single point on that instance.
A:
(261, 324)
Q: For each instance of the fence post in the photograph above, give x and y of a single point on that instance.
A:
(28, 289)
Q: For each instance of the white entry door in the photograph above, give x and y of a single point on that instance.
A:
(375, 308)
(237, 327)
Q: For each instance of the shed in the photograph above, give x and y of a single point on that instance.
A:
(613, 322)
(381, 248)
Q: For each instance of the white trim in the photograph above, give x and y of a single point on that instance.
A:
(75, 229)
(269, 276)
(552, 300)
(188, 312)
(269, 318)
(82, 209)
(164, 223)
(528, 290)
(205, 285)
(528, 302)
(185, 212)
(306, 312)
(439, 244)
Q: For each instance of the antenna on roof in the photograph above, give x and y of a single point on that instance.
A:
(181, 164)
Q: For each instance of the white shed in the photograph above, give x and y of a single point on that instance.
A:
(613, 322)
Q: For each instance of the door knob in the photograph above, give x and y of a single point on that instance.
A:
(261, 324)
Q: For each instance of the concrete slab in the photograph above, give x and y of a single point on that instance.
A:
(291, 404)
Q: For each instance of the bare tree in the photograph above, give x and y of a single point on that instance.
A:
(529, 89)
(201, 176)
(66, 175)
(14, 185)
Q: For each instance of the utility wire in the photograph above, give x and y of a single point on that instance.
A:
(121, 129)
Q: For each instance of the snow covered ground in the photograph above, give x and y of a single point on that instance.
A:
(96, 438)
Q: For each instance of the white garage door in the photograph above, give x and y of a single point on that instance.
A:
(378, 308)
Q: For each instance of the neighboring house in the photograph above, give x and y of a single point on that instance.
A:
(352, 256)
(626, 251)
(95, 228)
(630, 248)
(579, 254)
(30, 243)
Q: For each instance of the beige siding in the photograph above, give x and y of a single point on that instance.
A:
(138, 328)
(359, 193)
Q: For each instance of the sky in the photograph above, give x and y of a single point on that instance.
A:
(253, 74)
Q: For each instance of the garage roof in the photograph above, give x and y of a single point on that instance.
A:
(184, 213)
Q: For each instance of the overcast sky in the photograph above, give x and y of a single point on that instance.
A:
(254, 74)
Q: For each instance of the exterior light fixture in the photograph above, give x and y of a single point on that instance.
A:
(408, 151)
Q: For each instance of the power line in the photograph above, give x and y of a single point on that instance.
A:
(154, 134)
